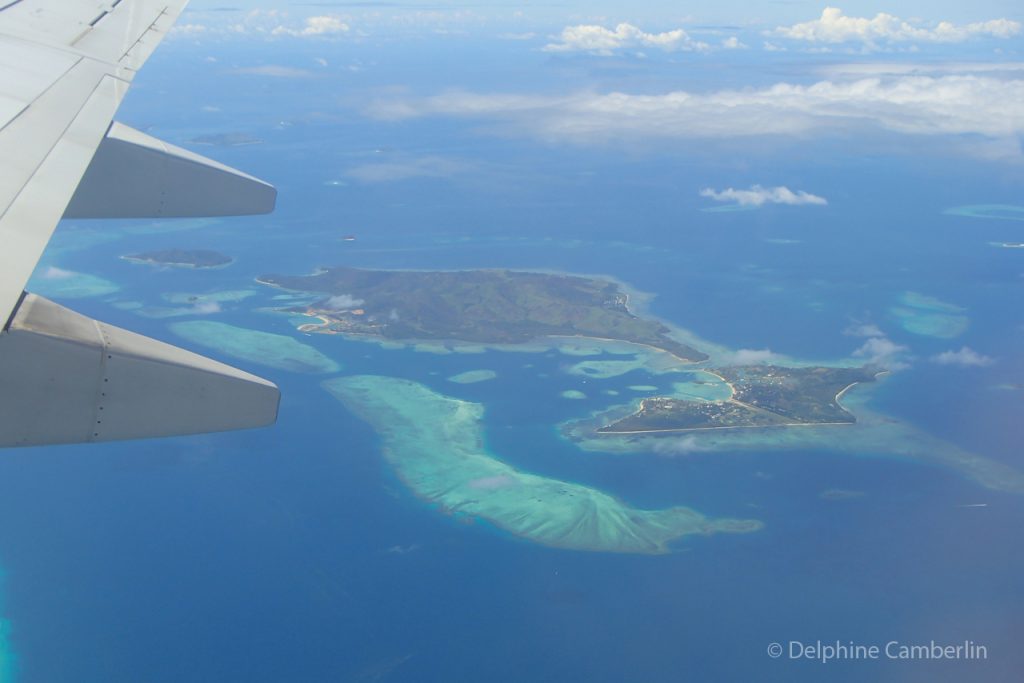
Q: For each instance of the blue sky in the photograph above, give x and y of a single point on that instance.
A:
(659, 15)
(914, 73)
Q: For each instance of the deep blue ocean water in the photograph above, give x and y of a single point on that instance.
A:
(293, 553)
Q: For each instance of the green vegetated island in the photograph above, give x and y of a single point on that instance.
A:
(182, 258)
(477, 306)
(761, 396)
(435, 443)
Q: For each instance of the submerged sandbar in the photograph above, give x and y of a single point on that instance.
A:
(264, 348)
(436, 445)
(473, 376)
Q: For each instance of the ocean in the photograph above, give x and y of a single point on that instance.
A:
(295, 553)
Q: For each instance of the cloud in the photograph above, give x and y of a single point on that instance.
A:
(673, 448)
(55, 273)
(425, 167)
(864, 330)
(274, 71)
(757, 196)
(206, 308)
(882, 351)
(835, 27)
(733, 43)
(965, 357)
(342, 302)
(862, 69)
(599, 40)
(314, 26)
(750, 357)
(952, 104)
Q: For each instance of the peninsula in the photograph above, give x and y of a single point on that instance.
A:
(762, 396)
(181, 258)
(477, 306)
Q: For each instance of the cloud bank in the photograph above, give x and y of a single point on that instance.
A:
(314, 26)
(951, 104)
(835, 27)
(599, 40)
(673, 448)
(758, 196)
(342, 302)
(965, 357)
(883, 352)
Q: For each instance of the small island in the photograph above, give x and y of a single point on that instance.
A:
(182, 258)
(476, 306)
(762, 396)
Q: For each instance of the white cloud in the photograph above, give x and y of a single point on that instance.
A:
(599, 40)
(757, 196)
(749, 357)
(342, 302)
(862, 69)
(314, 26)
(733, 43)
(864, 330)
(965, 357)
(207, 307)
(676, 447)
(955, 104)
(55, 273)
(835, 27)
(882, 351)
(274, 71)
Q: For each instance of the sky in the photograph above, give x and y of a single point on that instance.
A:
(908, 71)
(740, 12)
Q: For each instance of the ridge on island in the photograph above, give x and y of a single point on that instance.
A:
(183, 258)
(480, 306)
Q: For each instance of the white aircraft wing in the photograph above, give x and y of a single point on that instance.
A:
(65, 66)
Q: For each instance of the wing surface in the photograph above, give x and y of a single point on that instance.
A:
(65, 66)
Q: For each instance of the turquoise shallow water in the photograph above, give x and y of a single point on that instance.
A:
(297, 553)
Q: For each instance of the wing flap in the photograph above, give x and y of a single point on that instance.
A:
(68, 379)
(134, 175)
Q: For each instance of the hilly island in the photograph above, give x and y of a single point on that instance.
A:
(478, 306)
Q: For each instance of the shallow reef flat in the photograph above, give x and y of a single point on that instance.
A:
(473, 376)
(1006, 212)
(929, 317)
(436, 446)
(56, 283)
(264, 348)
(223, 296)
(873, 434)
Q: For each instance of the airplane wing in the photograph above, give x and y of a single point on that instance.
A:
(65, 66)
